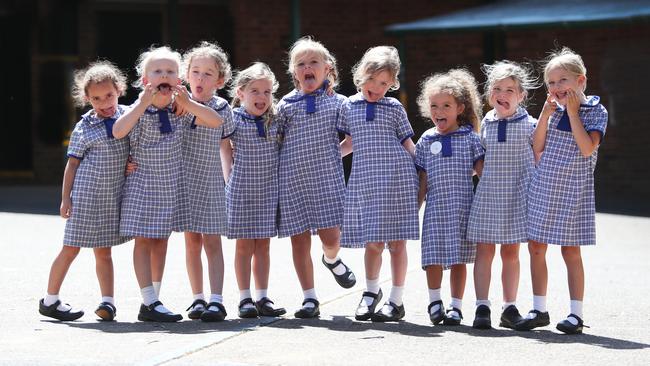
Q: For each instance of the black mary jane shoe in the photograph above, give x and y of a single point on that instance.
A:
(308, 313)
(148, 313)
(453, 317)
(214, 315)
(482, 318)
(364, 312)
(52, 311)
(265, 308)
(106, 311)
(438, 315)
(390, 312)
(247, 312)
(541, 319)
(565, 326)
(345, 280)
(196, 309)
(510, 317)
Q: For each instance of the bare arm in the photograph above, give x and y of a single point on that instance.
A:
(128, 120)
(539, 135)
(586, 141)
(226, 158)
(68, 180)
(346, 146)
(205, 116)
(478, 167)
(409, 146)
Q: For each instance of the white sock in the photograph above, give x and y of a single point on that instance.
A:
(456, 303)
(246, 294)
(539, 303)
(576, 308)
(506, 304)
(108, 299)
(261, 293)
(483, 302)
(396, 293)
(372, 285)
(340, 269)
(148, 295)
(309, 294)
(434, 295)
(51, 299)
(198, 296)
(215, 298)
(156, 287)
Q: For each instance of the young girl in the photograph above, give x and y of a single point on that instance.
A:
(498, 214)
(252, 189)
(311, 172)
(92, 186)
(447, 157)
(207, 70)
(154, 200)
(381, 206)
(561, 197)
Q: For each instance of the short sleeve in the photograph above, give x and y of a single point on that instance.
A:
(478, 152)
(531, 124)
(77, 146)
(596, 120)
(420, 155)
(403, 126)
(281, 117)
(483, 132)
(228, 123)
(342, 118)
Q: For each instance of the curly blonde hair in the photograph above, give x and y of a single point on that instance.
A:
(96, 73)
(375, 60)
(256, 71)
(155, 53)
(308, 45)
(211, 50)
(519, 73)
(566, 59)
(460, 84)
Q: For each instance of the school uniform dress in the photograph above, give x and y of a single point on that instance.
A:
(252, 189)
(155, 200)
(381, 200)
(312, 185)
(203, 177)
(97, 188)
(561, 196)
(498, 214)
(448, 161)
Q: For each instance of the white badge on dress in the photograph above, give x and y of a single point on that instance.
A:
(436, 147)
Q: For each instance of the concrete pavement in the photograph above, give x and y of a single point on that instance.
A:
(617, 308)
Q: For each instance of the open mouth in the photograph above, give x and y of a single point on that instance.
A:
(503, 104)
(440, 121)
(260, 106)
(164, 88)
(199, 89)
(107, 112)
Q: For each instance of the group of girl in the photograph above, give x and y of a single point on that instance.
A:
(284, 176)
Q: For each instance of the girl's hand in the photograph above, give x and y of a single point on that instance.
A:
(182, 96)
(131, 166)
(66, 208)
(147, 95)
(549, 106)
(573, 102)
(178, 109)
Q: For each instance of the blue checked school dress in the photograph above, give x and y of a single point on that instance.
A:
(252, 189)
(561, 196)
(155, 200)
(381, 200)
(448, 161)
(97, 188)
(312, 185)
(203, 177)
(498, 214)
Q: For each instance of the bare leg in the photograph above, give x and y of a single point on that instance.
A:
(214, 252)
(158, 256)
(262, 263)
(398, 261)
(538, 269)
(243, 253)
(434, 276)
(104, 270)
(510, 271)
(301, 250)
(483, 270)
(575, 272)
(60, 268)
(330, 238)
(372, 259)
(193, 263)
(457, 280)
(142, 260)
